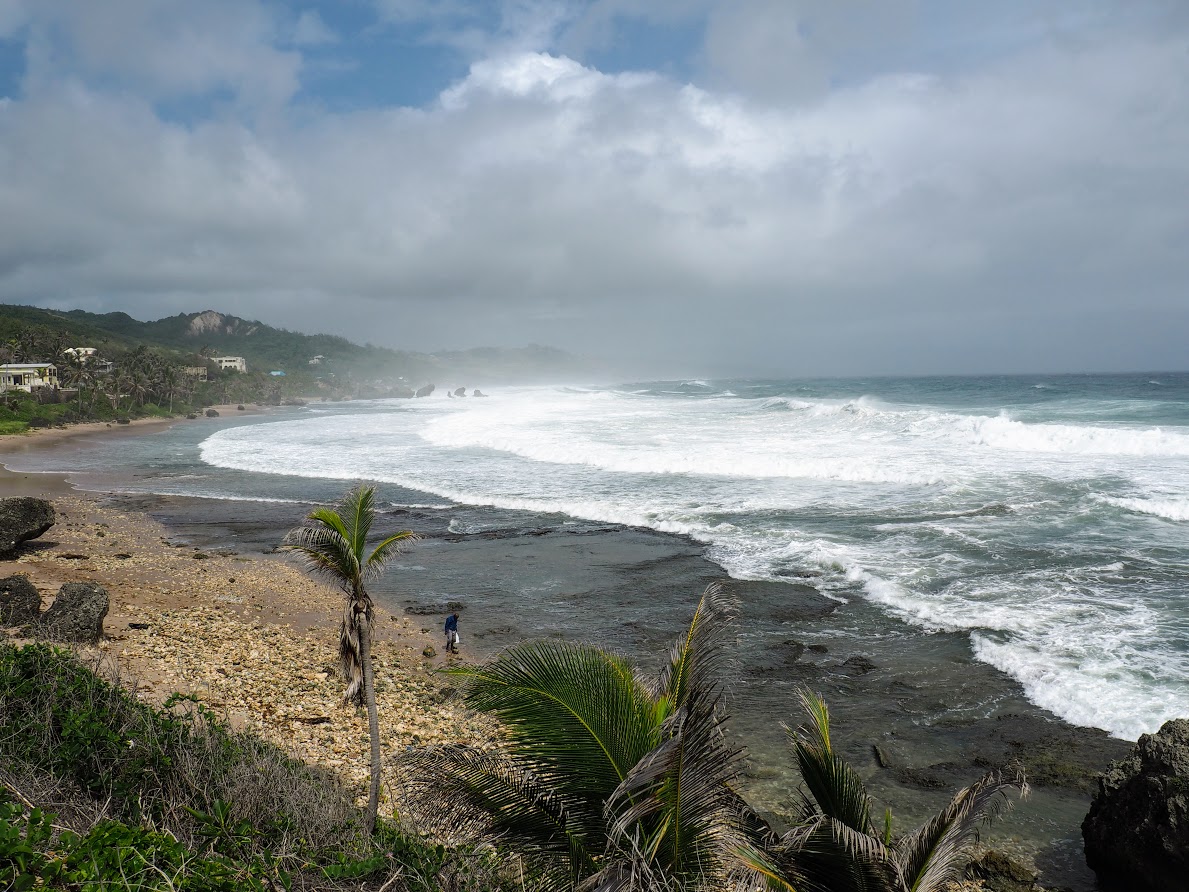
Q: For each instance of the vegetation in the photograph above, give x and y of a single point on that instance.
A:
(189, 340)
(614, 781)
(99, 791)
(607, 780)
(334, 546)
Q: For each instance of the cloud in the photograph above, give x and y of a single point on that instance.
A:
(163, 49)
(310, 30)
(906, 222)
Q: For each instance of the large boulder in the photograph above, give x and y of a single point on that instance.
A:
(424, 391)
(1137, 831)
(76, 614)
(21, 520)
(19, 601)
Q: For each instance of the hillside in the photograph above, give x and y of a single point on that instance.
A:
(268, 348)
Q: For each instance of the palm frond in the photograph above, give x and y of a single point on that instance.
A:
(325, 552)
(462, 792)
(679, 802)
(836, 789)
(358, 510)
(576, 713)
(933, 854)
(386, 551)
(701, 656)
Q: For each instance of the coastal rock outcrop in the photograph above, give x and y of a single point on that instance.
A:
(1137, 831)
(424, 391)
(76, 614)
(19, 601)
(23, 519)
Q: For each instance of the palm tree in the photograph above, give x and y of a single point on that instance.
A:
(837, 847)
(333, 544)
(610, 780)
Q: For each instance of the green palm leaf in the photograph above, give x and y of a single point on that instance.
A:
(678, 807)
(836, 789)
(575, 713)
(932, 855)
(461, 791)
(701, 658)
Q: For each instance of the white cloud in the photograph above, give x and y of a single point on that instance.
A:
(541, 199)
(164, 49)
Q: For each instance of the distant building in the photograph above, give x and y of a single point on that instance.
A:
(89, 356)
(317, 360)
(28, 376)
(235, 363)
(197, 372)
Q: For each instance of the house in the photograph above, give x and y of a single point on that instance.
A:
(28, 376)
(197, 372)
(89, 356)
(317, 360)
(235, 363)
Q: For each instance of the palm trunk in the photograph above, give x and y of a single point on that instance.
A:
(373, 721)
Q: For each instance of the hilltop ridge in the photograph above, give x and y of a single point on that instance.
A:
(265, 347)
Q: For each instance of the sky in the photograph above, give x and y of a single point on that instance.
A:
(714, 187)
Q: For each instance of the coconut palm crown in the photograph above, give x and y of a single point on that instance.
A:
(333, 545)
(610, 780)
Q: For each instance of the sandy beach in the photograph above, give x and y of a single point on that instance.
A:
(250, 636)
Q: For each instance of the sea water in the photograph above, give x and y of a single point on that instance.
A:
(1044, 518)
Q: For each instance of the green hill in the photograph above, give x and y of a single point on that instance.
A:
(266, 348)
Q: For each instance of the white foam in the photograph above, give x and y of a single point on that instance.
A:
(1170, 509)
(759, 480)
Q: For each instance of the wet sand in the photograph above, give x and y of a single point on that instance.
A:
(915, 713)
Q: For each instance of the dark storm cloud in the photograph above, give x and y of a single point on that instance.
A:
(1025, 212)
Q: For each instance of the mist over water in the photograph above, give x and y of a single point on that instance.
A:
(1046, 519)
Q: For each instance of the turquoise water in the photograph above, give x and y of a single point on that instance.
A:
(1045, 518)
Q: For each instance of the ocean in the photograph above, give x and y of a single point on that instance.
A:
(1047, 518)
(1033, 528)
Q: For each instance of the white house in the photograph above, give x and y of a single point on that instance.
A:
(235, 363)
(28, 376)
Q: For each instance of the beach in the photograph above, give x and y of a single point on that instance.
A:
(252, 637)
(913, 710)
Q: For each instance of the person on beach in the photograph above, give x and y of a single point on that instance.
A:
(452, 633)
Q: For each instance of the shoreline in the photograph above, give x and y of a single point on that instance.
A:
(251, 636)
(911, 718)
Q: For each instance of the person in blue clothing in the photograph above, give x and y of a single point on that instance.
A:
(452, 633)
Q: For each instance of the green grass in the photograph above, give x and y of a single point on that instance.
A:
(133, 797)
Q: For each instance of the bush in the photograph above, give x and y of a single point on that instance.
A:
(170, 767)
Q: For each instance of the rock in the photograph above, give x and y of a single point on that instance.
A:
(999, 873)
(76, 614)
(191, 416)
(462, 391)
(212, 413)
(19, 601)
(123, 421)
(479, 392)
(424, 391)
(856, 666)
(21, 520)
(239, 408)
(429, 651)
(882, 759)
(433, 609)
(819, 649)
(1137, 832)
